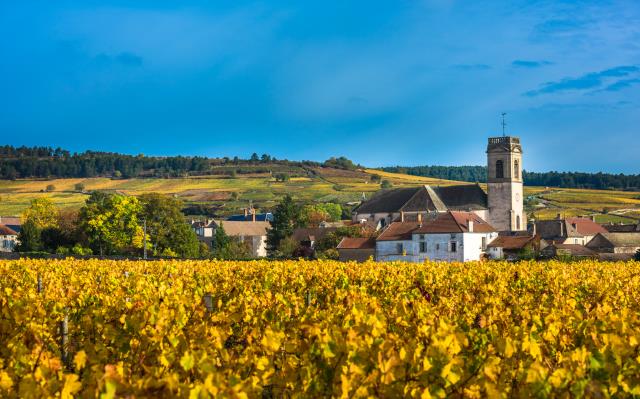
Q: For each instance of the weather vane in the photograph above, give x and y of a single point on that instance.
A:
(504, 124)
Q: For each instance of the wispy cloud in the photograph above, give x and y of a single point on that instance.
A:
(585, 82)
(622, 84)
(529, 64)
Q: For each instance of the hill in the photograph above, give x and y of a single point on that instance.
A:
(224, 195)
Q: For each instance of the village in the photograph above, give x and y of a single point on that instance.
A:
(454, 223)
(461, 222)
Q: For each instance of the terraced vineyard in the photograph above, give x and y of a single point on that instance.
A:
(318, 329)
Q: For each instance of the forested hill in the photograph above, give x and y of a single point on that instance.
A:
(47, 162)
(600, 181)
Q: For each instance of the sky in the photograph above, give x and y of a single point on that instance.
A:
(401, 82)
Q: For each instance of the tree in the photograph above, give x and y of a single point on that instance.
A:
(225, 247)
(29, 238)
(637, 255)
(254, 157)
(166, 227)
(79, 187)
(42, 212)
(386, 184)
(283, 177)
(51, 188)
(313, 215)
(111, 223)
(284, 220)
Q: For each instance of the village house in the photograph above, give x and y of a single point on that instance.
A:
(622, 228)
(501, 206)
(575, 230)
(309, 236)
(356, 249)
(513, 247)
(451, 236)
(616, 243)
(252, 233)
(556, 250)
(8, 238)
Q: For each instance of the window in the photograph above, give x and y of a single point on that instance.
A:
(437, 247)
(516, 169)
(453, 246)
(499, 169)
(399, 248)
(484, 243)
(423, 246)
(518, 222)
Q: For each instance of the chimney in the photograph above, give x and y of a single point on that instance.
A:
(420, 219)
(253, 215)
(593, 218)
(402, 216)
(561, 229)
(470, 226)
(246, 212)
(533, 229)
(558, 217)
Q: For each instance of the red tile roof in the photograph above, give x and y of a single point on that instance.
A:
(398, 231)
(455, 222)
(586, 226)
(6, 231)
(357, 243)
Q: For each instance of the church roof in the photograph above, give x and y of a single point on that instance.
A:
(465, 197)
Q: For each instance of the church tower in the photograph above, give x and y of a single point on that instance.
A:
(504, 184)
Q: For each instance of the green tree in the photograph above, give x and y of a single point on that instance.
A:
(386, 184)
(637, 255)
(51, 188)
(111, 223)
(225, 247)
(79, 187)
(167, 228)
(29, 238)
(285, 217)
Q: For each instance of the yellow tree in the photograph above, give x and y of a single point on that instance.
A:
(42, 213)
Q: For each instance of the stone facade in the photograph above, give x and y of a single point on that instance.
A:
(504, 184)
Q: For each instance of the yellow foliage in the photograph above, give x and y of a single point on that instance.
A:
(141, 329)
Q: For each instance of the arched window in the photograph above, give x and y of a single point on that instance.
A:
(518, 222)
(499, 169)
(516, 169)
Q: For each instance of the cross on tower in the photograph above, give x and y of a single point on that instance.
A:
(504, 124)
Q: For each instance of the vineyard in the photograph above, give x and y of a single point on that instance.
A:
(94, 328)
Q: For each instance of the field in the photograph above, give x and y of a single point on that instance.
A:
(318, 329)
(230, 194)
(325, 185)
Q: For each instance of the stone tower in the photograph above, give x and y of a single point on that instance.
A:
(504, 184)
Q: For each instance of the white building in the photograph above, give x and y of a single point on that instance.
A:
(451, 236)
(8, 239)
(252, 232)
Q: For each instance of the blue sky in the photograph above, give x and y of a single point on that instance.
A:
(383, 83)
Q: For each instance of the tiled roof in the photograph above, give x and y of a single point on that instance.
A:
(621, 228)
(357, 243)
(244, 228)
(7, 231)
(388, 200)
(398, 231)
(314, 234)
(455, 222)
(466, 197)
(574, 249)
(586, 226)
(511, 242)
(13, 220)
(616, 240)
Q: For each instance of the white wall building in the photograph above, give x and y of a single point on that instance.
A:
(452, 236)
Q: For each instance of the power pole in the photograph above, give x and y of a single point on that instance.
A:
(144, 255)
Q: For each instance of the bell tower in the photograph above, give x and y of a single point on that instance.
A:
(504, 184)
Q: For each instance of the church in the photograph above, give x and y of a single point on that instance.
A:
(500, 206)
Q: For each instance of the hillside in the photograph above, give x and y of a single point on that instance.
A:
(224, 195)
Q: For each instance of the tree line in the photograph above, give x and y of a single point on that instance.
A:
(47, 162)
(600, 181)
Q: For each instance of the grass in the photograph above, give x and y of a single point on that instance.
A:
(326, 185)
